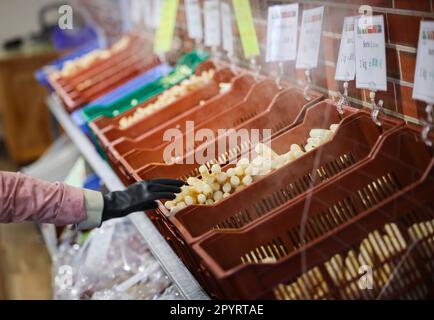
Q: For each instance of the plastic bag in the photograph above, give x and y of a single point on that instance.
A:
(114, 262)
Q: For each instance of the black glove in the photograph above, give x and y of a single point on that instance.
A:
(139, 196)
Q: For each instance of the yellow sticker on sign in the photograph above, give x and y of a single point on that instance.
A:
(243, 14)
(166, 27)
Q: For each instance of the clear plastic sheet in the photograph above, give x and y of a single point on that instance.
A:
(113, 262)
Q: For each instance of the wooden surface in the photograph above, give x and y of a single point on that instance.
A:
(25, 266)
(25, 117)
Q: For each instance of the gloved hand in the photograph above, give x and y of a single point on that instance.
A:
(139, 196)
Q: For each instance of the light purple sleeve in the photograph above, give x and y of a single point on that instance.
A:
(23, 198)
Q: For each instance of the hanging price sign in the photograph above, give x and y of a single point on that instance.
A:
(147, 14)
(211, 10)
(424, 75)
(156, 12)
(246, 27)
(282, 33)
(194, 19)
(165, 30)
(228, 36)
(136, 10)
(370, 53)
(346, 66)
(310, 38)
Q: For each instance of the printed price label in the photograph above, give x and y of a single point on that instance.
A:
(148, 18)
(156, 12)
(282, 33)
(164, 35)
(370, 53)
(346, 66)
(310, 38)
(424, 75)
(228, 36)
(136, 9)
(246, 27)
(194, 19)
(211, 10)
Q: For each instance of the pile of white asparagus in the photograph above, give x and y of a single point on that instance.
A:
(215, 185)
(167, 97)
(73, 66)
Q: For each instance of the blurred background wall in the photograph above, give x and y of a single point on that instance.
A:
(19, 17)
(25, 131)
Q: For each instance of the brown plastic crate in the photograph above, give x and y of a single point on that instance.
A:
(320, 115)
(117, 150)
(89, 75)
(103, 76)
(152, 138)
(139, 131)
(286, 110)
(316, 114)
(107, 131)
(105, 123)
(117, 145)
(256, 112)
(413, 264)
(106, 128)
(401, 164)
(259, 96)
(356, 138)
(353, 142)
(136, 44)
(183, 171)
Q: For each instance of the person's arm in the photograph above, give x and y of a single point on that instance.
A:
(23, 198)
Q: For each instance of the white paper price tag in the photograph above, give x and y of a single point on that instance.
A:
(370, 53)
(310, 38)
(211, 9)
(282, 33)
(194, 19)
(136, 10)
(147, 14)
(424, 75)
(228, 36)
(346, 66)
(156, 12)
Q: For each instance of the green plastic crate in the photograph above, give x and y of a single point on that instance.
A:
(185, 67)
